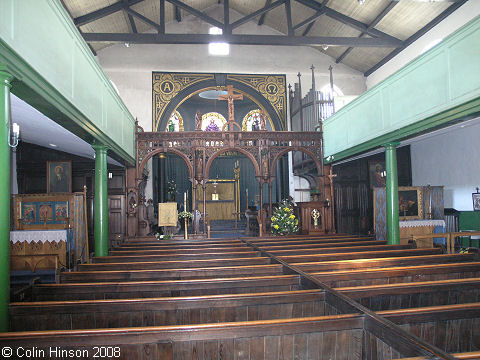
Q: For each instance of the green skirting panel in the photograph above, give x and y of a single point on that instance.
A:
(469, 220)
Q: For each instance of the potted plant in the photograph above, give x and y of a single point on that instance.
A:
(283, 220)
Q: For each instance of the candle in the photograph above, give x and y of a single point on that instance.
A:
(246, 191)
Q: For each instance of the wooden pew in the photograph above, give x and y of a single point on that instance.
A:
(452, 328)
(345, 336)
(182, 256)
(149, 289)
(175, 264)
(319, 257)
(59, 315)
(219, 254)
(323, 245)
(274, 242)
(313, 338)
(181, 251)
(357, 264)
(474, 355)
(418, 294)
(98, 314)
(337, 249)
(388, 275)
(170, 274)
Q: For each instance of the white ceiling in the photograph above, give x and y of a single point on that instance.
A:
(36, 128)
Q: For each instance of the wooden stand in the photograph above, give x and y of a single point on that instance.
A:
(307, 223)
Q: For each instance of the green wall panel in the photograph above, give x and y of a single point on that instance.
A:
(469, 220)
(465, 76)
(439, 86)
(41, 46)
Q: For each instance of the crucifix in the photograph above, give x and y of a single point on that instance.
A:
(230, 97)
(332, 204)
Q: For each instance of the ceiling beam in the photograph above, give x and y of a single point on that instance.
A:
(416, 36)
(178, 14)
(227, 29)
(161, 29)
(261, 11)
(380, 16)
(262, 18)
(309, 20)
(130, 17)
(309, 27)
(239, 39)
(288, 14)
(196, 13)
(145, 20)
(100, 13)
(358, 25)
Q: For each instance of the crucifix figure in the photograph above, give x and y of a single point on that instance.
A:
(230, 97)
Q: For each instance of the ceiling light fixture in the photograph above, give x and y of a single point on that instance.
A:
(218, 48)
(52, 145)
(361, 2)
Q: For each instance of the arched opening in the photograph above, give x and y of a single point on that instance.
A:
(171, 179)
(306, 171)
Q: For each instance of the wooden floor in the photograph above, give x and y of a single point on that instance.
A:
(325, 297)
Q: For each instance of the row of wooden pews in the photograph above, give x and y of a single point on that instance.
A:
(322, 297)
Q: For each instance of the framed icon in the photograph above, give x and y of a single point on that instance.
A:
(59, 176)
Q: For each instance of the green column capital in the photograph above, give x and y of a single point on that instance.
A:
(100, 148)
(391, 145)
(6, 78)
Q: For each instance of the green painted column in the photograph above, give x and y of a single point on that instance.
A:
(5, 79)
(393, 226)
(100, 210)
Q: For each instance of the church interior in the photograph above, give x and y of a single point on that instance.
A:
(240, 179)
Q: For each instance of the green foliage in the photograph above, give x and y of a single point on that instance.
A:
(163, 237)
(283, 220)
(185, 214)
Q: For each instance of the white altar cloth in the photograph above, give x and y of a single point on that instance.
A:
(38, 235)
(419, 223)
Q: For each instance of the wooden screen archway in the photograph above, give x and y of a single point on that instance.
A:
(198, 149)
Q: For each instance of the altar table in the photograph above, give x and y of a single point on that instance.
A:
(38, 249)
(420, 227)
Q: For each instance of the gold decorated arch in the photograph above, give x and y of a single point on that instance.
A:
(167, 86)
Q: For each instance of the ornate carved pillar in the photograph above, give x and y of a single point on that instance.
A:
(5, 80)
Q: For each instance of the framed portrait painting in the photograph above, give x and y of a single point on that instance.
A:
(410, 202)
(476, 201)
(59, 176)
(376, 172)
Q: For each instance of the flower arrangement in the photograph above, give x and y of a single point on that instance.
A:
(163, 237)
(185, 215)
(283, 220)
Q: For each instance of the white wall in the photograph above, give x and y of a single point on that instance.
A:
(457, 19)
(451, 159)
(131, 68)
